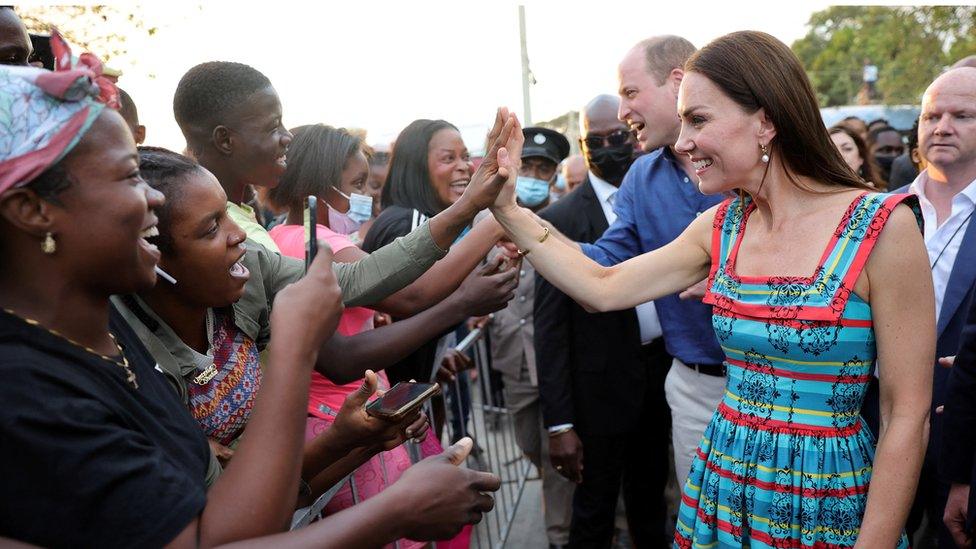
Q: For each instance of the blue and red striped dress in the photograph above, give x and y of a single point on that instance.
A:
(786, 460)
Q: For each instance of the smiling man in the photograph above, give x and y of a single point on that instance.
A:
(657, 200)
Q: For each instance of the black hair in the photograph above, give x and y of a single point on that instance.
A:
(208, 91)
(127, 108)
(165, 171)
(913, 137)
(52, 182)
(873, 134)
(882, 121)
(408, 181)
(316, 158)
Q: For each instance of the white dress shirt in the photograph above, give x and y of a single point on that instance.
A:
(946, 239)
(650, 325)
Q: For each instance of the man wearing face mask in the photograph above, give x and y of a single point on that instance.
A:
(601, 376)
(511, 335)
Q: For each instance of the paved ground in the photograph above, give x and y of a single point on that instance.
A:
(528, 530)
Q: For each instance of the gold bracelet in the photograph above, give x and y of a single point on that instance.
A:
(545, 235)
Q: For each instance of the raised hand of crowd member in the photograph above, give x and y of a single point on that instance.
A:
(453, 362)
(217, 100)
(483, 291)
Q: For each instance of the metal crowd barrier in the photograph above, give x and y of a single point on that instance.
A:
(484, 418)
(491, 426)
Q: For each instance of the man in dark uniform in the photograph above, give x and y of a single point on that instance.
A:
(510, 333)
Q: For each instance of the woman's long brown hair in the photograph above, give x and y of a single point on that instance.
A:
(757, 71)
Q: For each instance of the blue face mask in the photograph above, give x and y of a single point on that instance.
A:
(531, 191)
(560, 182)
(360, 210)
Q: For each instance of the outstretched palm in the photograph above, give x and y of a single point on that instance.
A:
(490, 183)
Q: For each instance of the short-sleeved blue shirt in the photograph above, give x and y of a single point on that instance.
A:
(656, 202)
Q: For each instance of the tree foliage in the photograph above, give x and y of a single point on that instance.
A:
(99, 29)
(909, 45)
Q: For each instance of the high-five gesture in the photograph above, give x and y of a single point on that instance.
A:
(500, 162)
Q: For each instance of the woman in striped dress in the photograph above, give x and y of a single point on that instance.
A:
(790, 261)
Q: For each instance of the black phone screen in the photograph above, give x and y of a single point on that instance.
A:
(400, 395)
(311, 232)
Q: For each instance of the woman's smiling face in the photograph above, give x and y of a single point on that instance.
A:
(207, 246)
(449, 165)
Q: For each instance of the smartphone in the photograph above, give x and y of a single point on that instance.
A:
(311, 231)
(401, 400)
(42, 50)
(468, 341)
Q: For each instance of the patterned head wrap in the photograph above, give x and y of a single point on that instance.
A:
(44, 114)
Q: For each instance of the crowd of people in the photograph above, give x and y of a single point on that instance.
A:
(717, 291)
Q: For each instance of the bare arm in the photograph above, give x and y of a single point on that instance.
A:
(260, 485)
(903, 309)
(344, 359)
(662, 272)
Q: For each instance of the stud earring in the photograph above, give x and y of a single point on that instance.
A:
(48, 245)
(765, 153)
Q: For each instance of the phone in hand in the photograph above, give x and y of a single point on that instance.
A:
(311, 231)
(401, 400)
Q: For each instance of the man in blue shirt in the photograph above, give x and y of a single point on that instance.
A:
(656, 202)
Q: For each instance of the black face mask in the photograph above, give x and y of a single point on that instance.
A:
(611, 163)
(884, 162)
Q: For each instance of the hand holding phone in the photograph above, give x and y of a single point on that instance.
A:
(311, 231)
(401, 400)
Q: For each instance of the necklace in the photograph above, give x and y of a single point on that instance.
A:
(206, 374)
(130, 376)
(951, 238)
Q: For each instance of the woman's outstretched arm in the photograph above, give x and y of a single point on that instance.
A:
(662, 272)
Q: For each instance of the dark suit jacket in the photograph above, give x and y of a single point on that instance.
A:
(591, 372)
(958, 457)
(952, 318)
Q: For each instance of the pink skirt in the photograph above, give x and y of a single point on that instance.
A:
(375, 475)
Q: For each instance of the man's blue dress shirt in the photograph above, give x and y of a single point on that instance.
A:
(656, 202)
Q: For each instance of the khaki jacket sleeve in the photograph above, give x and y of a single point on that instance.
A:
(388, 269)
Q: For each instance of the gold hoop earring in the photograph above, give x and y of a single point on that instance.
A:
(48, 245)
(765, 153)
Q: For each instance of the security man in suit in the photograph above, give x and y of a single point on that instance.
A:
(601, 385)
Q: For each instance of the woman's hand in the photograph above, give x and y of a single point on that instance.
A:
(308, 311)
(353, 427)
(499, 164)
(438, 498)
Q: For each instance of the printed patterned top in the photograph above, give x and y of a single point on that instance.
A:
(786, 460)
(222, 405)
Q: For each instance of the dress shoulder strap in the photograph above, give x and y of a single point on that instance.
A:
(726, 226)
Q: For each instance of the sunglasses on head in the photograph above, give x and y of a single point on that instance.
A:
(615, 139)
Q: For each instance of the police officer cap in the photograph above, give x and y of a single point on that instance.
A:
(545, 143)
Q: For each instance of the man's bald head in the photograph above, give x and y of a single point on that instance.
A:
(947, 126)
(965, 62)
(574, 171)
(15, 44)
(600, 115)
(956, 81)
